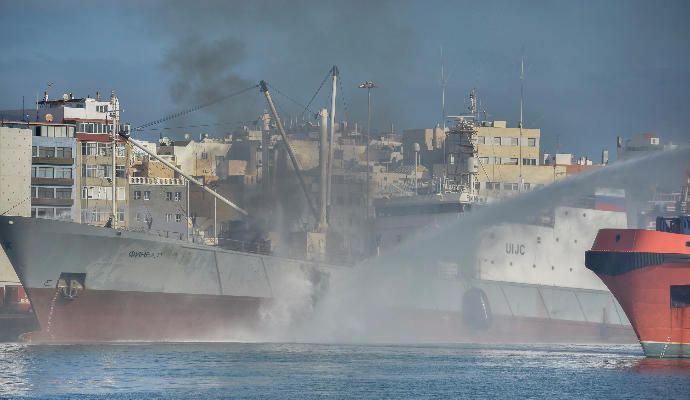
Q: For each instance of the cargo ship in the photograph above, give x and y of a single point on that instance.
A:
(89, 283)
(648, 271)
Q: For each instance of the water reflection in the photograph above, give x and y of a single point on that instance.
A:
(13, 375)
(662, 365)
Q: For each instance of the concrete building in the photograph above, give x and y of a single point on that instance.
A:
(15, 185)
(508, 158)
(159, 206)
(15, 171)
(206, 159)
(54, 177)
(91, 171)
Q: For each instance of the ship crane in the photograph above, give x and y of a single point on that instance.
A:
(264, 89)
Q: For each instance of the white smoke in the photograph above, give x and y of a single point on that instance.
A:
(372, 302)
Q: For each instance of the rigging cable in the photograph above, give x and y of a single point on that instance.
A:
(275, 89)
(191, 110)
(323, 82)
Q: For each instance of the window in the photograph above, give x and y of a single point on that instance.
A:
(168, 196)
(529, 161)
(481, 140)
(510, 186)
(34, 151)
(526, 186)
(60, 131)
(44, 172)
(63, 213)
(121, 193)
(104, 171)
(89, 149)
(178, 218)
(509, 161)
(204, 155)
(178, 196)
(147, 195)
(137, 196)
(103, 149)
(497, 160)
(493, 186)
(46, 193)
(477, 185)
(63, 152)
(497, 141)
(532, 142)
(509, 141)
(64, 173)
(88, 170)
(46, 152)
(484, 160)
(168, 217)
(120, 171)
(138, 217)
(121, 150)
(45, 213)
(63, 193)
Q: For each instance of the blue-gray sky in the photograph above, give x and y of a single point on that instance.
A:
(594, 69)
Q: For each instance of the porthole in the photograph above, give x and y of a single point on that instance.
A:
(538, 239)
(575, 240)
(571, 270)
(584, 215)
(553, 268)
(510, 263)
(557, 239)
(534, 265)
(565, 213)
(618, 238)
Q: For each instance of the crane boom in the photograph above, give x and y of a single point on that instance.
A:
(179, 171)
(293, 159)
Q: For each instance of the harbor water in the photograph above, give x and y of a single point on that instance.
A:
(248, 371)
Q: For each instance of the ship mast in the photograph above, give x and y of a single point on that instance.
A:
(115, 112)
(522, 85)
(463, 157)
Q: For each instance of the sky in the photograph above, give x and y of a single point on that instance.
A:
(594, 70)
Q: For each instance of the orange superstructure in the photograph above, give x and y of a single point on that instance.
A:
(649, 274)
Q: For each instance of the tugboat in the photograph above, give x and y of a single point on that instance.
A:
(648, 271)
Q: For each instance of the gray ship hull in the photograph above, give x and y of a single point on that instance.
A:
(95, 284)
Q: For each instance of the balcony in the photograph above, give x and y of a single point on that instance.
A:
(52, 160)
(140, 180)
(52, 181)
(51, 202)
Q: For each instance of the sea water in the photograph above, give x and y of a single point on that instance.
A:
(305, 371)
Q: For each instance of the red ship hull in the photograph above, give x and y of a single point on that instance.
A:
(649, 274)
(106, 315)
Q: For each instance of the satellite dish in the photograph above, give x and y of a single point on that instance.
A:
(49, 117)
